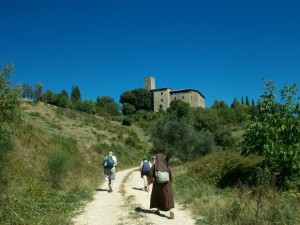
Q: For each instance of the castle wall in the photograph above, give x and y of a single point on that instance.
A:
(161, 99)
(192, 97)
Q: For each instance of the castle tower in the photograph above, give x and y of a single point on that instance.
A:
(149, 83)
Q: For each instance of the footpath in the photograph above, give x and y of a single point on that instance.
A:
(128, 204)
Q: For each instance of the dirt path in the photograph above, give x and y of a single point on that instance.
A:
(128, 204)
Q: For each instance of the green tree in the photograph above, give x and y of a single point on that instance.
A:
(180, 109)
(64, 93)
(75, 94)
(27, 91)
(139, 98)
(10, 110)
(88, 106)
(219, 104)
(128, 109)
(247, 101)
(235, 104)
(275, 132)
(38, 92)
(179, 139)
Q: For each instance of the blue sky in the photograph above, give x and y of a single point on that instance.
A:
(222, 48)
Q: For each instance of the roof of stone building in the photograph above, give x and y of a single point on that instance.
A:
(177, 91)
(186, 90)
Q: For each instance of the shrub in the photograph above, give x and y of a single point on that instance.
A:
(57, 167)
(126, 122)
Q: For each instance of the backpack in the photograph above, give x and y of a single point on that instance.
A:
(146, 167)
(162, 176)
(108, 162)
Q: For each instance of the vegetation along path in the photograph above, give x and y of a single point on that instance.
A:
(127, 204)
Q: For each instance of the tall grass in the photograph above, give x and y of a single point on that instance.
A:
(57, 165)
(53, 169)
(197, 187)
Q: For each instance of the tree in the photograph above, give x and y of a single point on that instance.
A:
(64, 93)
(38, 92)
(128, 109)
(179, 139)
(106, 106)
(275, 132)
(235, 104)
(10, 110)
(88, 106)
(180, 109)
(247, 101)
(27, 91)
(219, 104)
(75, 94)
(139, 98)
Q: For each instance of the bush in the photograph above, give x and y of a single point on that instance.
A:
(57, 166)
(126, 122)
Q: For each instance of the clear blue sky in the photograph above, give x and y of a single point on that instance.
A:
(222, 48)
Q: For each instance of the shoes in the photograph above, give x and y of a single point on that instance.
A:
(171, 215)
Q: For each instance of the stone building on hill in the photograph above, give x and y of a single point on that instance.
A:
(162, 97)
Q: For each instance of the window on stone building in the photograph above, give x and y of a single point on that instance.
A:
(161, 100)
(161, 93)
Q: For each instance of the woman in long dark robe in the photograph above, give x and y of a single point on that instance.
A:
(162, 194)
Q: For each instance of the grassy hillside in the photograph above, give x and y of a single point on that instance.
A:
(55, 166)
(56, 162)
(222, 188)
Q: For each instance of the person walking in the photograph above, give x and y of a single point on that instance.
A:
(145, 167)
(110, 163)
(162, 194)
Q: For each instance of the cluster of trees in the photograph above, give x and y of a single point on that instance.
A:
(104, 106)
(136, 100)
(188, 133)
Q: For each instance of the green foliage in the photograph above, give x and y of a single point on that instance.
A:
(177, 138)
(128, 109)
(75, 94)
(106, 106)
(275, 132)
(10, 111)
(126, 122)
(139, 98)
(217, 122)
(38, 92)
(225, 168)
(197, 186)
(27, 91)
(219, 104)
(180, 110)
(57, 166)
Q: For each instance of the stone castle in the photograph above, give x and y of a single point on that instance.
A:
(162, 97)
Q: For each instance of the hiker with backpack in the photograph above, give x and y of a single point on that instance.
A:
(161, 177)
(109, 164)
(145, 171)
